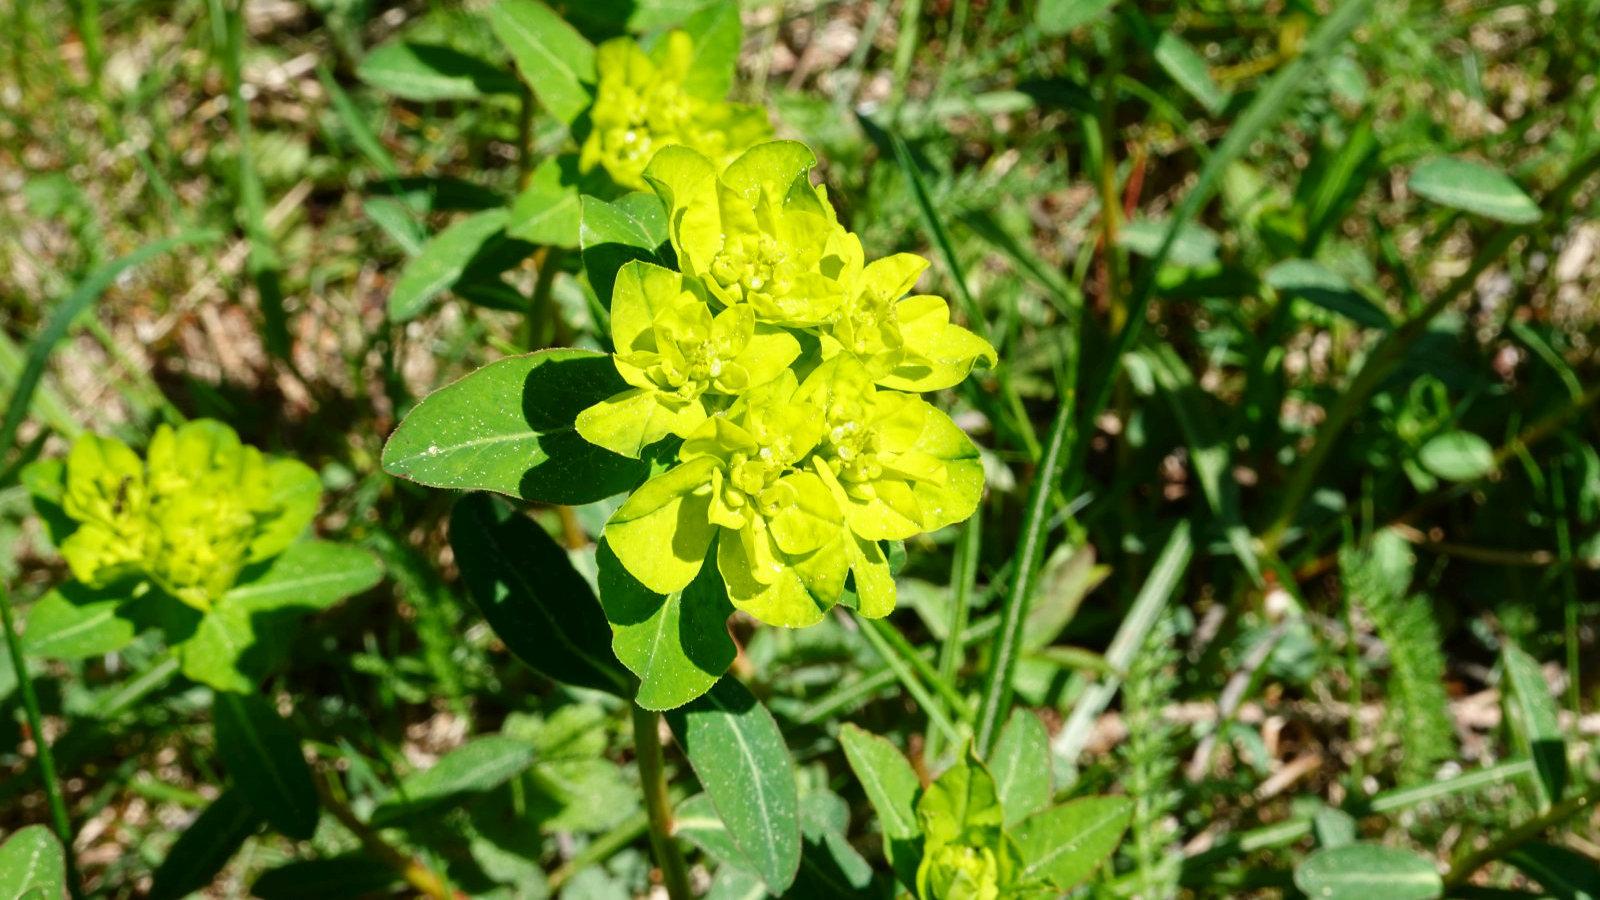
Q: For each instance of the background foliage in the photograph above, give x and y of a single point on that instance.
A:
(1294, 502)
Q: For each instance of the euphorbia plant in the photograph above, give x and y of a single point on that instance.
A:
(204, 540)
(761, 412)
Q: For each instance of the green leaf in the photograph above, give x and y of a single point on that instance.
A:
(477, 766)
(248, 631)
(32, 864)
(353, 875)
(1196, 246)
(613, 234)
(1563, 873)
(310, 575)
(717, 34)
(740, 758)
(206, 846)
(892, 786)
(548, 210)
(1457, 456)
(1189, 70)
(696, 821)
(262, 754)
(1531, 713)
(1066, 843)
(1333, 827)
(1368, 872)
(1312, 282)
(678, 644)
(829, 865)
(737, 884)
(1069, 575)
(538, 604)
(1020, 763)
(398, 221)
(555, 60)
(508, 427)
(1061, 16)
(427, 72)
(1474, 188)
(442, 261)
(75, 621)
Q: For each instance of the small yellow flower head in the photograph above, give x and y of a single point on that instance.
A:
(642, 105)
(783, 361)
(679, 357)
(190, 518)
(759, 234)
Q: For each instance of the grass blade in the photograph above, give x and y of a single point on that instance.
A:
(86, 293)
(1147, 607)
(996, 702)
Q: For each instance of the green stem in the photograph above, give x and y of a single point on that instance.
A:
(46, 759)
(997, 691)
(963, 575)
(874, 633)
(599, 850)
(1516, 837)
(658, 804)
(548, 259)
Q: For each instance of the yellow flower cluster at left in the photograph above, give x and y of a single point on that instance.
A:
(189, 518)
(788, 366)
(646, 102)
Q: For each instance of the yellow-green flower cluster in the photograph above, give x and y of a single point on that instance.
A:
(191, 516)
(644, 102)
(786, 363)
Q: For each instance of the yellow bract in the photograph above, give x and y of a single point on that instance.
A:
(193, 515)
(641, 106)
(782, 359)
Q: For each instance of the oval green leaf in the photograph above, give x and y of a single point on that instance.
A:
(32, 864)
(508, 428)
(442, 261)
(1474, 188)
(553, 57)
(1065, 844)
(696, 821)
(249, 630)
(75, 621)
(538, 604)
(310, 575)
(1367, 872)
(1535, 725)
(206, 846)
(740, 758)
(262, 754)
(547, 211)
(1457, 456)
(1020, 764)
(1316, 284)
(678, 644)
(892, 786)
(613, 234)
(480, 765)
(428, 72)
(1195, 247)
